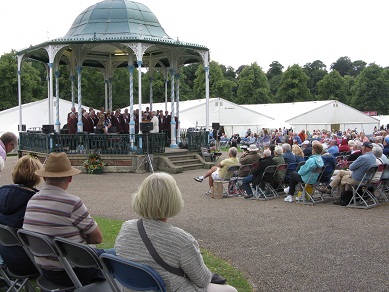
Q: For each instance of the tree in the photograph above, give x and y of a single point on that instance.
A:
(274, 75)
(253, 86)
(315, 72)
(293, 85)
(344, 66)
(371, 90)
(358, 65)
(332, 86)
(215, 77)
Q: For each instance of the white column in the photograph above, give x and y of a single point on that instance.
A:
(51, 85)
(80, 127)
(178, 107)
(20, 92)
(57, 122)
(110, 93)
(106, 94)
(173, 143)
(72, 78)
(140, 146)
(151, 93)
(132, 122)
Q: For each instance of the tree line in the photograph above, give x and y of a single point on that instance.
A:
(355, 83)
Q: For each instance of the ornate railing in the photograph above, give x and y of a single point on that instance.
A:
(197, 139)
(89, 143)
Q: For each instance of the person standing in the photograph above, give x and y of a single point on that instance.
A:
(8, 142)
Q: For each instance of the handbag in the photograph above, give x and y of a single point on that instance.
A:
(216, 278)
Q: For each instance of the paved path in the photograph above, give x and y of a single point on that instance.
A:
(279, 246)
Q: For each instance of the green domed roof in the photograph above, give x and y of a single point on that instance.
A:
(116, 19)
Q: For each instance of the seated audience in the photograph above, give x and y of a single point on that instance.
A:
(13, 202)
(344, 147)
(219, 172)
(356, 151)
(8, 142)
(356, 172)
(298, 153)
(278, 159)
(307, 148)
(157, 200)
(304, 173)
(289, 157)
(250, 157)
(333, 148)
(256, 177)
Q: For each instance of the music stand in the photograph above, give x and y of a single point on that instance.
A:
(145, 128)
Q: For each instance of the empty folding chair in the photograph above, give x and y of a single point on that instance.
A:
(39, 245)
(16, 282)
(362, 197)
(132, 275)
(84, 256)
(264, 190)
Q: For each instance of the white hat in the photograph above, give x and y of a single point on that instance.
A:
(253, 148)
(306, 142)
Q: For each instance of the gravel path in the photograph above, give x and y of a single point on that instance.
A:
(279, 246)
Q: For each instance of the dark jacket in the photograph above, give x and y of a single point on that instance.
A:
(263, 163)
(13, 202)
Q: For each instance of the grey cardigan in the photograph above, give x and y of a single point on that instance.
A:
(175, 246)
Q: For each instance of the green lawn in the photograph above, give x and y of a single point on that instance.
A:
(110, 228)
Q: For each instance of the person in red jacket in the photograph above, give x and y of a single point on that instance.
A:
(302, 136)
(344, 147)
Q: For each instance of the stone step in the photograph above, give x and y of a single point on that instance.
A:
(183, 157)
(192, 166)
(186, 161)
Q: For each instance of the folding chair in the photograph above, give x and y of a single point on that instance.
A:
(16, 282)
(226, 179)
(383, 187)
(233, 185)
(314, 196)
(254, 167)
(278, 178)
(264, 190)
(84, 256)
(362, 197)
(291, 167)
(132, 275)
(39, 245)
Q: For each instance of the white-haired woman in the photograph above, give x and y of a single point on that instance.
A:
(158, 199)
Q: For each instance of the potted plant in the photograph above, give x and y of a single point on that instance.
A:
(94, 164)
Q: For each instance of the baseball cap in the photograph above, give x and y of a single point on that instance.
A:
(368, 145)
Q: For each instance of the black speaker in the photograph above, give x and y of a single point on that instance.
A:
(146, 127)
(47, 129)
(23, 128)
(215, 126)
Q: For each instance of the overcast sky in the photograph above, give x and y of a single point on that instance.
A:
(236, 32)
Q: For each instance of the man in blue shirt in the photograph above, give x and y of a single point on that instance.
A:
(357, 169)
(333, 149)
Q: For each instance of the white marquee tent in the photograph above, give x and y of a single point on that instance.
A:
(34, 114)
(313, 115)
(233, 117)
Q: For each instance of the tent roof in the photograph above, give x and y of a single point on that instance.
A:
(287, 110)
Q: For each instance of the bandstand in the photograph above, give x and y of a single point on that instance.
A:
(109, 35)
